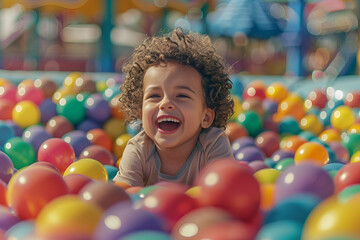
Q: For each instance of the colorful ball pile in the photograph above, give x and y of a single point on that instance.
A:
(295, 173)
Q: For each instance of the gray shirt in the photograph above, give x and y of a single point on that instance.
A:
(140, 163)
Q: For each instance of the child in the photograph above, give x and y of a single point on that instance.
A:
(179, 88)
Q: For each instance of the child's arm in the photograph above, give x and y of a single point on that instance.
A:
(220, 146)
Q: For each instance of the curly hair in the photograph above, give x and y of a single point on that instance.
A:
(190, 49)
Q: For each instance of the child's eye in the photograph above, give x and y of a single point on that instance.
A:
(153, 96)
(182, 96)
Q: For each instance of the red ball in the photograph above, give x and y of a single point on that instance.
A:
(57, 152)
(30, 189)
(347, 175)
(254, 91)
(318, 98)
(3, 189)
(98, 136)
(98, 153)
(229, 230)
(58, 126)
(75, 182)
(169, 204)
(234, 131)
(225, 183)
(352, 99)
(268, 142)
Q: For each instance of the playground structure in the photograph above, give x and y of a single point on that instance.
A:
(96, 36)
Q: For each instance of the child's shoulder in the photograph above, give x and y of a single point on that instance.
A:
(212, 135)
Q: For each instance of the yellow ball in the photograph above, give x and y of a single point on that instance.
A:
(342, 118)
(330, 135)
(267, 175)
(355, 128)
(68, 217)
(70, 79)
(355, 157)
(120, 144)
(88, 167)
(114, 127)
(101, 86)
(311, 123)
(60, 93)
(194, 191)
(276, 91)
(26, 113)
(333, 218)
(237, 108)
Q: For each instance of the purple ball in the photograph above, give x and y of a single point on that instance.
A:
(242, 142)
(258, 165)
(35, 135)
(17, 129)
(47, 110)
(97, 108)
(281, 154)
(78, 140)
(249, 154)
(88, 125)
(7, 219)
(304, 178)
(6, 167)
(270, 106)
(132, 220)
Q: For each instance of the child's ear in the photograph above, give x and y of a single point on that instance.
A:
(208, 118)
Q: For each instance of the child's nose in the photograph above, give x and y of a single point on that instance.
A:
(166, 103)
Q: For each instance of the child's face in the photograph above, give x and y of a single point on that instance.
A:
(174, 109)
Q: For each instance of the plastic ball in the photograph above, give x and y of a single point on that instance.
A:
(291, 106)
(342, 118)
(21, 230)
(355, 157)
(241, 143)
(6, 107)
(310, 122)
(270, 107)
(318, 98)
(267, 175)
(58, 126)
(30, 93)
(35, 135)
(234, 131)
(70, 79)
(198, 220)
(304, 178)
(268, 142)
(7, 219)
(77, 139)
(330, 135)
(284, 163)
(351, 142)
(238, 86)
(112, 171)
(280, 230)
(312, 152)
(341, 220)
(125, 220)
(116, 112)
(111, 92)
(47, 110)
(249, 154)
(47, 86)
(88, 167)
(87, 125)
(341, 152)
(68, 217)
(237, 108)
(347, 176)
(98, 153)
(254, 104)
(99, 137)
(251, 121)
(26, 113)
(76, 182)
(169, 203)
(57, 152)
(84, 83)
(254, 90)
(21, 153)
(8, 92)
(6, 134)
(257, 165)
(114, 127)
(120, 144)
(347, 193)
(3, 190)
(215, 180)
(289, 125)
(31, 188)
(291, 143)
(103, 194)
(354, 128)
(97, 108)
(72, 109)
(276, 91)
(352, 99)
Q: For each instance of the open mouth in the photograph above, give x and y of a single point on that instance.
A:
(168, 124)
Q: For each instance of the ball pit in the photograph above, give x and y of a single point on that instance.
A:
(296, 166)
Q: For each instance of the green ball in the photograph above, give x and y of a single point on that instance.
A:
(72, 109)
(351, 142)
(289, 125)
(251, 121)
(349, 192)
(148, 235)
(21, 153)
(284, 163)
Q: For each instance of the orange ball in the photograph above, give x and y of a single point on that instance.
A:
(292, 106)
(235, 131)
(98, 136)
(330, 135)
(312, 152)
(267, 196)
(276, 91)
(292, 143)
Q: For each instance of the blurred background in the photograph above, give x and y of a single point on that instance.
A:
(302, 38)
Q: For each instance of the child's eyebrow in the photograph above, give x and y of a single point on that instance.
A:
(186, 88)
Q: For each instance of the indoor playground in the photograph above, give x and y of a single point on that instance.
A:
(294, 134)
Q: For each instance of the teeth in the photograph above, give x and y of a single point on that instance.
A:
(168, 120)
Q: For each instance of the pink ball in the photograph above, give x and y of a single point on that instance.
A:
(58, 152)
(98, 153)
(30, 93)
